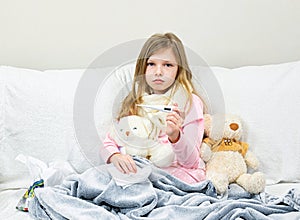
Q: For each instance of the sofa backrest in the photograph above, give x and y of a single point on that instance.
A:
(37, 114)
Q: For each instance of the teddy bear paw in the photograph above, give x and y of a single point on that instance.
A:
(220, 182)
(253, 183)
(205, 152)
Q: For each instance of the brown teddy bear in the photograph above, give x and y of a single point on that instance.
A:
(227, 158)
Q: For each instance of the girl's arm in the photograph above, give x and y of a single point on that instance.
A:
(109, 148)
(111, 154)
(190, 138)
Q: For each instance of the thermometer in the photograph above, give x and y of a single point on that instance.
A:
(162, 108)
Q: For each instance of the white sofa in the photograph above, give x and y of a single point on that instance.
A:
(43, 114)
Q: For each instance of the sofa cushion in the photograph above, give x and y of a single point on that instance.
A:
(268, 100)
(37, 109)
(1, 109)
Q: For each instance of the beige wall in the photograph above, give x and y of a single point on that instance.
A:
(55, 34)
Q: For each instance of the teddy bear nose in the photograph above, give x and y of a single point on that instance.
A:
(234, 126)
(127, 133)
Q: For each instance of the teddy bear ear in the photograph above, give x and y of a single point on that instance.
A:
(215, 127)
(207, 124)
(235, 117)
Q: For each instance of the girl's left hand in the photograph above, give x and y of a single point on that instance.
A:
(174, 122)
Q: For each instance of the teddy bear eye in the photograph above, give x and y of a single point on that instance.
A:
(134, 128)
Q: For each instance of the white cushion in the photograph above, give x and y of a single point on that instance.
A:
(37, 109)
(111, 92)
(1, 109)
(268, 100)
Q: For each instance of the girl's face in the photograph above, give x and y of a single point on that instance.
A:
(161, 70)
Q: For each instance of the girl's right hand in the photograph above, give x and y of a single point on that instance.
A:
(124, 163)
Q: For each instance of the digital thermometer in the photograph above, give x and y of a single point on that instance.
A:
(162, 108)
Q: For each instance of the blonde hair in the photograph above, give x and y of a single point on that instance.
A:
(184, 75)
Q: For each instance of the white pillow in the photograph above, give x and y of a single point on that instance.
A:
(37, 109)
(1, 109)
(1, 118)
(114, 88)
(268, 100)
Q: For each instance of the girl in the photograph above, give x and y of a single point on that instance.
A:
(162, 73)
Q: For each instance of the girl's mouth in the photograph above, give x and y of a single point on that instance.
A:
(158, 81)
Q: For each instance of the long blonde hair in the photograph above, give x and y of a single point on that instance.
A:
(184, 75)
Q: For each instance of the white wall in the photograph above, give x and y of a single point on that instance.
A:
(54, 34)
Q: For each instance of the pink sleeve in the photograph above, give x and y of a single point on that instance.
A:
(187, 147)
(109, 148)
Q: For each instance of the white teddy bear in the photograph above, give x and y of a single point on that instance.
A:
(227, 158)
(139, 136)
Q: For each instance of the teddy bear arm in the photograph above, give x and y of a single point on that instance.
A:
(161, 155)
(244, 148)
(205, 152)
(251, 160)
(136, 151)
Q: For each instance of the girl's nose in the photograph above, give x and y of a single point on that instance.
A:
(158, 71)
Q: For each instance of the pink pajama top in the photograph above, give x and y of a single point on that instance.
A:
(187, 165)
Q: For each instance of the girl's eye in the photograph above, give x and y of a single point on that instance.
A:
(150, 64)
(168, 65)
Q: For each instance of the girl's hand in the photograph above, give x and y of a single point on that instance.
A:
(123, 162)
(174, 123)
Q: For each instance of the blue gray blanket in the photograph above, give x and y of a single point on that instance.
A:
(95, 195)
